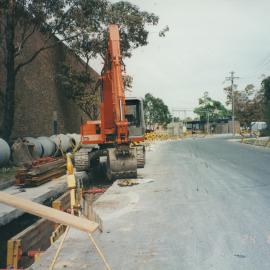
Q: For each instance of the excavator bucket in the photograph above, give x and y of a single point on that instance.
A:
(121, 166)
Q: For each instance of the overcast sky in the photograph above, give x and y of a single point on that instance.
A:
(207, 40)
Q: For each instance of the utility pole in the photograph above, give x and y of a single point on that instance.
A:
(208, 127)
(231, 79)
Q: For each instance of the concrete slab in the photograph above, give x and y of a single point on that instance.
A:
(117, 202)
(37, 194)
(78, 251)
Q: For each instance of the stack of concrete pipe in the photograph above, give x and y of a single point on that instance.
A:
(54, 145)
(43, 146)
(4, 153)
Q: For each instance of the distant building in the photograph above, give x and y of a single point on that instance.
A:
(175, 129)
(220, 126)
(196, 126)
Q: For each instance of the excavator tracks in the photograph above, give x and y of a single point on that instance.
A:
(117, 166)
(81, 160)
(140, 149)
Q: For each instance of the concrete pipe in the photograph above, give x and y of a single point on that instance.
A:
(37, 151)
(4, 152)
(48, 145)
(56, 140)
(62, 142)
(66, 142)
(75, 138)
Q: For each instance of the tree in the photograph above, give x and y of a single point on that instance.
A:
(155, 112)
(266, 100)
(80, 24)
(128, 83)
(211, 108)
(132, 24)
(77, 86)
(247, 104)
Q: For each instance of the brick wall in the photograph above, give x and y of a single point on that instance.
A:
(38, 94)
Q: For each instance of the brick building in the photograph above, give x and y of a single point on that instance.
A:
(38, 94)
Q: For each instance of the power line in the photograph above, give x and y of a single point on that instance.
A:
(176, 112)
(259, 67)
(176, 109)
(255, 73)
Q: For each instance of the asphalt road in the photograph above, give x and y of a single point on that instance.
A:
(208, 207)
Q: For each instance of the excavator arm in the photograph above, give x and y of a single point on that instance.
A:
(113, 105)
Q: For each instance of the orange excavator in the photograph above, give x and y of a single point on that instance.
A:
(119, 132)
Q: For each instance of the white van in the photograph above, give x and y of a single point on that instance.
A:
(258, 126)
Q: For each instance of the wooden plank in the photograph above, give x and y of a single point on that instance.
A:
(45, 178)
(36, 170)
(46, 175)
(60, 229)
(62, 203)
(34, 238)
(23, 177)
(39, 180)
(37, 237)
(48, 213)
(14, 254)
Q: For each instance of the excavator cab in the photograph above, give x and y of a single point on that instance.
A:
(136, 127)
(135, 118)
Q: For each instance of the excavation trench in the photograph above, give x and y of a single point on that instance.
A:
(25, 223)
(14, 227)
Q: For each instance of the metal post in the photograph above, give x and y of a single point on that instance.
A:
(55, 123)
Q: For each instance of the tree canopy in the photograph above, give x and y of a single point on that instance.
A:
(212, 108)
(266, 100)
(131, 20)
(80, 24)
(79, 87)
(156, 112)
(247, 104)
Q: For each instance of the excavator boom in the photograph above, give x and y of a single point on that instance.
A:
(113, 104)
(119, 125)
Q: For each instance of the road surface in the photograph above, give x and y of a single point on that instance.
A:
(205, 204)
